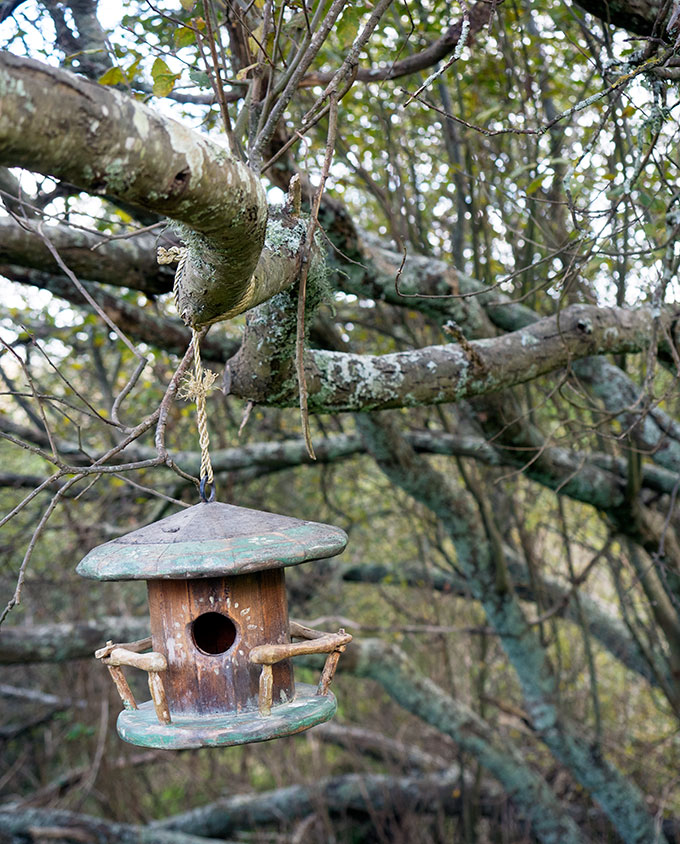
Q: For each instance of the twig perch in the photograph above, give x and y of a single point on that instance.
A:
(314, 642)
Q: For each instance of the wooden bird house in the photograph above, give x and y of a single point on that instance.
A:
(220, 669)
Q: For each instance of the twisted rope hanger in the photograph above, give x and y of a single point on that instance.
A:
(197, 386)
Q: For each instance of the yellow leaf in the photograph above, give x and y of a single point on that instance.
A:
(163, 78)
(241, 75)
(159, 67)
(256, 39)
(113, 76)
(184, 36)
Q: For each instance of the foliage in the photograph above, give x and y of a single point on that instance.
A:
(520, 547)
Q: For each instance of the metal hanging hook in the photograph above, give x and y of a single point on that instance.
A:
(207, 499)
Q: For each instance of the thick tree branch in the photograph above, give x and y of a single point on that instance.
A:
(602, 621)
(78, 640)
(107, 143)
(365, 794)
(139, 323)
(341, 795)
(593, 478)
(72, 640)
(126, 262)
(19, 825)
(638, 16)
(379, 746)
(479, 16)
(417, 694)
(458, 296)
(654, 432)
(339, 381)
(425, 284)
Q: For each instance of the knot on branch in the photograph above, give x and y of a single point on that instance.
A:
(452, 328)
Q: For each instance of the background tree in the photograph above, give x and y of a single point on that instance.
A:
(452, 235)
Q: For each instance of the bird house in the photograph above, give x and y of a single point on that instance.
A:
(220, 667)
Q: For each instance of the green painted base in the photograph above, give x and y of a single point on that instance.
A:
(141, 727)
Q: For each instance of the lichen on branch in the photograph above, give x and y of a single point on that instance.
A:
(106, 142)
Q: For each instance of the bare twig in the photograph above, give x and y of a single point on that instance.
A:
(318, 39)
(216, 76)
(311, 229)
(624, 79)
(16, 597)
(83, 292)
(120, 398)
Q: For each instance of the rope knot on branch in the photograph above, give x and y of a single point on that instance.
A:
(173, 255)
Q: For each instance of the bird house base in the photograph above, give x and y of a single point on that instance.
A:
(141, 726)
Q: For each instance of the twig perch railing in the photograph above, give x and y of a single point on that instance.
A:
(115, 656)
(315, 642)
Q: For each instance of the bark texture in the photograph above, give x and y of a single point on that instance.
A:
(105, 142)
(129, 262)
(19, 825)
(60, 642)
(638, 16)
(341, 381)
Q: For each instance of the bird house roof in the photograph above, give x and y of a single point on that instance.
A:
(212, 540)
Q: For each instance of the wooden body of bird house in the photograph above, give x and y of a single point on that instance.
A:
(220, 669)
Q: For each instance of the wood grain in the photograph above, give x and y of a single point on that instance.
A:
(197, 682)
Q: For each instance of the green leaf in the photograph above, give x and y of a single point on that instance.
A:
(131, 70)
(187, 5)
(200, 78)
(532, 187)
(160, 68)
(113, 76)
(163, 78)
(645, 199)
(184, 36)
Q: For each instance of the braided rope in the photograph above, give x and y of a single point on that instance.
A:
(174, 255)
(178, 276)
(204, 380)
(196, 387)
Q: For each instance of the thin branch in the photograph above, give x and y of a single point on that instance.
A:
(306, 257)
(16, 597)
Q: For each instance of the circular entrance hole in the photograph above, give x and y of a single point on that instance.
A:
(213, 633)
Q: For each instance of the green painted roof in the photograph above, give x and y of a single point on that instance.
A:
(211, 540)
